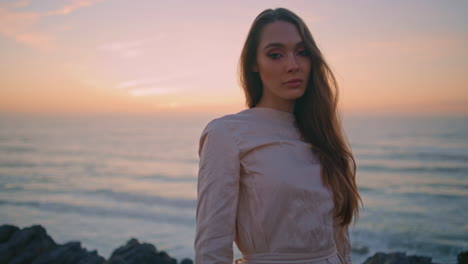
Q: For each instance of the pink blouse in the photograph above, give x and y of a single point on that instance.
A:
(259, 185)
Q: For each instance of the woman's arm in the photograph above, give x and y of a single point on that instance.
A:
(218, 188)
(343, 244)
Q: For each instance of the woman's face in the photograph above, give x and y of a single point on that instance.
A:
(283, 64)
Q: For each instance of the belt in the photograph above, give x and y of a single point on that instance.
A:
(286, 258)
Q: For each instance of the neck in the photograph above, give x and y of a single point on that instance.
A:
(285, 106)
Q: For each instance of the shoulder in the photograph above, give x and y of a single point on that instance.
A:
(227, 123)
(223, 131)
(217, 125)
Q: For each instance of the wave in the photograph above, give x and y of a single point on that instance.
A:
(116, 196)
(152, 157)
(17, 149)
(72, 163)
(18, 164)
(7, 187)
(441, 195)
(365, 189)
(103, 212)
(448, 185)
(451, 157)
(451, 170)
(163, 178)
(24, 164)
(438, 156)
(139, 198)
(374, 240)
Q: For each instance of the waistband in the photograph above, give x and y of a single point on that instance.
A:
(286, 258)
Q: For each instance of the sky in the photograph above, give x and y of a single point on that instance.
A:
(178, 57)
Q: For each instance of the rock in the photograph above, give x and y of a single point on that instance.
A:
(6, 231)
(23, 246)
(116, 260)
(186, 261)
(32, 245)
(463, 257)
(397, 258)
(135, 253)
(70, 253)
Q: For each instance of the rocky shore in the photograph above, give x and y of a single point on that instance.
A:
(32, 245)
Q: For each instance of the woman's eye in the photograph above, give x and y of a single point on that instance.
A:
(303, 53)
(274, 55)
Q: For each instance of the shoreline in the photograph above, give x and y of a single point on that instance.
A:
(33, 245)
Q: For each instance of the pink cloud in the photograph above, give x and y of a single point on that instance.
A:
(19, 25)
(38, 40)
(11, 22)
(72, 6)
(20, 4)
(129, 49)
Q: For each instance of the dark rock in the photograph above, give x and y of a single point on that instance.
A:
(463, 257)
(186, 261)
(116, 260)
(6, 231)
(135, 253)
(397, 258)
(70, 253)
(164, 258)
(32, 245)
(24, 245)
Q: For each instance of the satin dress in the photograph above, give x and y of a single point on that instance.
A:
(259, 185)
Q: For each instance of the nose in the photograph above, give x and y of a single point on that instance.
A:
(292, 65)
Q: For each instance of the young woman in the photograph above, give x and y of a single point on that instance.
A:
(279, 177)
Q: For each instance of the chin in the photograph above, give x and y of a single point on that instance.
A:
(293, 95)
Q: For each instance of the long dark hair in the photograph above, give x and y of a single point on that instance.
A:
(316, 113)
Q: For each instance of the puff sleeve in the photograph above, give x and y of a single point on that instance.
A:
(343, 244)
(217, 195)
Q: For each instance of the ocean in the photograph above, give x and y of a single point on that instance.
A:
(103, 180)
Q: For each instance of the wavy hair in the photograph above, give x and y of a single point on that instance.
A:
(316, 113)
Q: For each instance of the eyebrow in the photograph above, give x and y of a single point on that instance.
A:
(280, 45)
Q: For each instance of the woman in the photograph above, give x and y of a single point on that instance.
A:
(279, 177)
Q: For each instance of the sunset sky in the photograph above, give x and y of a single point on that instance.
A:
(150, 56)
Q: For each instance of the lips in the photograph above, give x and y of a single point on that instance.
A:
(293, 83)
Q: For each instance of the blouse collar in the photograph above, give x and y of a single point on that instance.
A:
(273, 113)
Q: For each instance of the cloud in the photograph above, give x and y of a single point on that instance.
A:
(139, 82)
(156, 85)
(118, 46)
(151, 91)
(20, 4)
(36, 39)
(12, 22)
(72, 6)
(130, 49)
(19, 25)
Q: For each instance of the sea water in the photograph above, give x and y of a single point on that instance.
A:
(103, 180)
